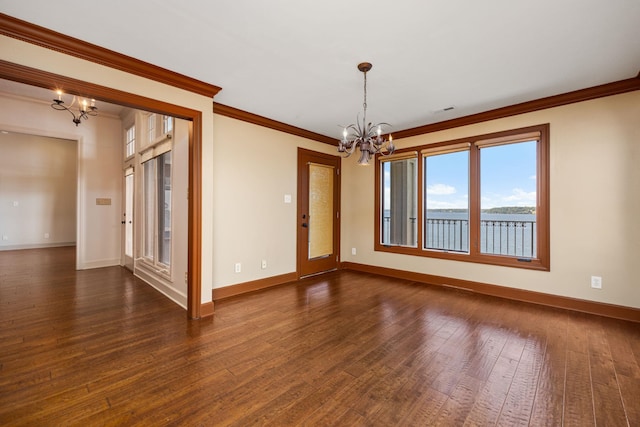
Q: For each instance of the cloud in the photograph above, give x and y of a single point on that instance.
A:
(517, 197)
(521, 197)
(440, 190)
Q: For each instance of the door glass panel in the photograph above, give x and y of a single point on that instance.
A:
(320, 210)
(149, 204)
(128, 216)
(164, 208)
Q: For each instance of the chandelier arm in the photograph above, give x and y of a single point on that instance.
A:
(60, 107)
(90, 110)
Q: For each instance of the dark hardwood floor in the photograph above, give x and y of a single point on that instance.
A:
(99, 347)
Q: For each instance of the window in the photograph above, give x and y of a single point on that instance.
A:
(400, 202)
(156, 162)
(167, 124)
(151, 127)
(446, 213)
(157, 210)
(130, 142)
(482, 199)
(158, 127)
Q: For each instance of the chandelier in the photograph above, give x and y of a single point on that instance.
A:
(365, 135)
(83, 110)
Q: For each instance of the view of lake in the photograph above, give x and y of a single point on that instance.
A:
(504, 234)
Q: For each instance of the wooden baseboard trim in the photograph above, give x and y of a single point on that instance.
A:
(584, 306)
(254, 285)
(206, 310)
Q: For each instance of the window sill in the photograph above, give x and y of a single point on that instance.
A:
(498, 260)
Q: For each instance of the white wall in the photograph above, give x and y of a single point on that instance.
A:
(254, 167)
(594, 201)
(37, 191)
(99, 162)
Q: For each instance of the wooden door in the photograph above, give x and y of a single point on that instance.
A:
(318, 212)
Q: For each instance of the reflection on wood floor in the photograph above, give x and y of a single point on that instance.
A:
(99, 347)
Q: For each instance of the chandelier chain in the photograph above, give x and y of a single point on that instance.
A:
(364, 104)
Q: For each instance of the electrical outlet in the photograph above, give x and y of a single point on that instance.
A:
(46, 235)
(238, 267)
(596, 282)
(264, 264)
(5, 237)
(186, 277)
(353, 251)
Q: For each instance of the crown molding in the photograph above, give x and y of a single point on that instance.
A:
(608, 89)
(35, 77)
(234, 113)
(40, 36)
(25, 31)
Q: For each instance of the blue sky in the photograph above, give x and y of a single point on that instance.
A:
(508, 177)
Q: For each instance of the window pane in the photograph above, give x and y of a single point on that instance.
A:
(149, 208)
(446, 223)
(508, 199)
(131, 141)
(128, 202)
(151, 127)
(167, 124)
(399, 202)
(164, 208)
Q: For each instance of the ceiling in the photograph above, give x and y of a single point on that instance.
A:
(295, 61)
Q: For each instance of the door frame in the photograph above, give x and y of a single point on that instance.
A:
(40, 78)
(304, 157)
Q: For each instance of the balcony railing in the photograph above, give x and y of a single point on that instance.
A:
(499, 237)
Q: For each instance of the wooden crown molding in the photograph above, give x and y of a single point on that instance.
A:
(608, 89)
(22, 30)
(30, 33)
(234, 113)
(35, 77)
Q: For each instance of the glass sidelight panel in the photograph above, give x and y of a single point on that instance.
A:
(320, 210)
(399, 202)
(128, 215)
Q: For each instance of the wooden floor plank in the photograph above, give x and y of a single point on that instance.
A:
(100, 347)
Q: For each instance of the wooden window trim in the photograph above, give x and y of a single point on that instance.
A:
(541, 262)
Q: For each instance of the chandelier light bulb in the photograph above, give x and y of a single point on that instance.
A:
(82, 111)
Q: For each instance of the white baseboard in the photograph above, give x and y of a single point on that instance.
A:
(35, 246)
(162, 287)
(86, 265)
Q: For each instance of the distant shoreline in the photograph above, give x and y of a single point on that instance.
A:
(509, 210)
